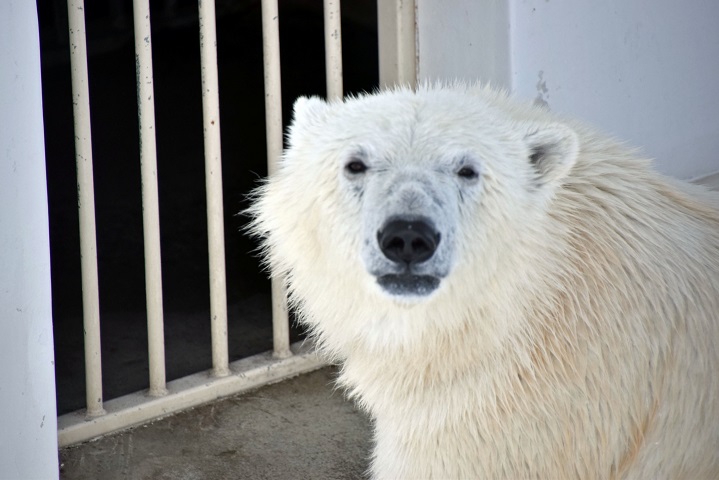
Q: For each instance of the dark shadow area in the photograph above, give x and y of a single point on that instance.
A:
(180, 155)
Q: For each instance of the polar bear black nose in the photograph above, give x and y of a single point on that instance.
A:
(408, 242)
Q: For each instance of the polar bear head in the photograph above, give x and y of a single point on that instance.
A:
(396, 197)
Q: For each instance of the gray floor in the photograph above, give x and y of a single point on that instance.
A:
(297, 429)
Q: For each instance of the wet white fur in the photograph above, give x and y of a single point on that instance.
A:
(577, 332)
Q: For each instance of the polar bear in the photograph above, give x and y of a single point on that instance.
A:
(509, 293)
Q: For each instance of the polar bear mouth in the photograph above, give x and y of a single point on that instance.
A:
(407, 284)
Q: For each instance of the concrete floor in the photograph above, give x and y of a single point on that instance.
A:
(297, 429)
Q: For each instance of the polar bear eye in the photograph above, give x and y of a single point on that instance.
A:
(355, 167)
(467, 173)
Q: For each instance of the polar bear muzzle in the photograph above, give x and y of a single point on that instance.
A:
(408, 242)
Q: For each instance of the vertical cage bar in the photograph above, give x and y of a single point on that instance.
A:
(213, 181)
(333, 49)
(397, 36)
(86, 206)
(150, 202)
(273, 119)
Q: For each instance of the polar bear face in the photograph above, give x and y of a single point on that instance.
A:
(410, 187)
(410, 212)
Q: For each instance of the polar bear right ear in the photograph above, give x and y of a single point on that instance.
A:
(553, 151)
(308, 110)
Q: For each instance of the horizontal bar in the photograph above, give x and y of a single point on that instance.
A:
(138, 408)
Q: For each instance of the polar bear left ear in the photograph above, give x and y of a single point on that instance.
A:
(553, 150)
(308, 110)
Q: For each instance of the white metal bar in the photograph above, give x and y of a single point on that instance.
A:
(333, 48)
(86, 205)
(150, 203)
(273, 88)
(213, 181)
(397, 35)
(273, 119)
(187, 392)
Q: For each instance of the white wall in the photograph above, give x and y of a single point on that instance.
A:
(464, 39)
(644, 71)
(28, 425)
